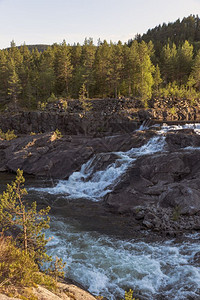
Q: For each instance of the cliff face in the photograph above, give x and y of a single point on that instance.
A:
(106, 116)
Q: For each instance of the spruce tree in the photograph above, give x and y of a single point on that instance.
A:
(14, 85)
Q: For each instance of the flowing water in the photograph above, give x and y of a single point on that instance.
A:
(94, 184)
(109, 264)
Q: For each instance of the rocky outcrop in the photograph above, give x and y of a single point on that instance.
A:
(163, 189)
(106, 116)
(98, 123)
(42, 155)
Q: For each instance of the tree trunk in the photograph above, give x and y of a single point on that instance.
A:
(25, 232)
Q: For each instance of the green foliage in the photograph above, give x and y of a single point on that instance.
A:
(157, 78)
(176, 213)
(83, 93)
(14, 86)
(183, 91)
(172, 111)
(65, 105)
(56, 269)
(8, 136)
(56, 135)
(129, 295)
(15, 211)
(52, 98)
(20, 259)
(42, 105)
(17, 268)
(85, 103)
(137, 69)
(176, 32)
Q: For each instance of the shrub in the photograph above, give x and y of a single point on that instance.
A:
(65, 105)
(172, 111)
(8, 136)
(42, 105)
(56, 269)
(52, 98)
(129, 295)
(16, 267)
(56, 135)
(176, 213)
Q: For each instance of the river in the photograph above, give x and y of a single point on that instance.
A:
(100, 251)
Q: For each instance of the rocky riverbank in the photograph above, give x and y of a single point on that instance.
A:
(159, 191)
(65, 291)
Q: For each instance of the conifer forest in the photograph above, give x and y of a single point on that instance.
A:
(163, 62)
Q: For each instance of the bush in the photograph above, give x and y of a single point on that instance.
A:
(56, 135)
(129, 295)
(16, 267)
(8, 136)
(52, 98)
(19, 271)
(42, 105)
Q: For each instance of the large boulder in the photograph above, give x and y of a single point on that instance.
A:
(164, 180)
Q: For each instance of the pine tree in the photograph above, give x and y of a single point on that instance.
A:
(86, 105)
(87, 61)
(14, 85)
(4, 73)
(15, 211)
(77, 71)
(56, 269)
(116, 67)
(102, 69)
(132, 68)
(46, 79)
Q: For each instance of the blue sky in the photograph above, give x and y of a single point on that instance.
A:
(49, 21)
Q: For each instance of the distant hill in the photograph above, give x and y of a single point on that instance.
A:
(39, 47)
(175, 32)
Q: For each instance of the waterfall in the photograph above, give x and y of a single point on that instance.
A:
(93, 182)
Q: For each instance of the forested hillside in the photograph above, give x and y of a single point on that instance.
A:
(165, 62)
(176, 32)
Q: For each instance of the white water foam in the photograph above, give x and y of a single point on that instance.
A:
(107, 266)
(93, 185)
(165, 128)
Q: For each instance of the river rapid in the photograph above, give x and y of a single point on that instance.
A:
(100, 251)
